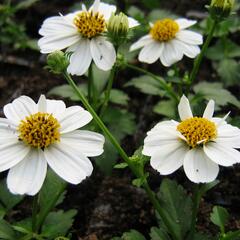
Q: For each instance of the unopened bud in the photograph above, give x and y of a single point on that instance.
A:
(220, 9)
(57, 62)
(118, 27)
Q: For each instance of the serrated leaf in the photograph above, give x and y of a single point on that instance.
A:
(158, 234)
(216, 92)
(166, 108)
(201, 236)
(133, 235)
(58, 223)
(230, 76)
(177, 206)
(6, 231)
(219, 217)
(9, 200)
(118, 97)
(66, 91)
(146, 85)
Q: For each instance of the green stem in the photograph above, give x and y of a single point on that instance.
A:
(108, 90)
(198, 193)
(122, 153)
(42, 215)
(34, 212)
(163, 84)
(198, 60)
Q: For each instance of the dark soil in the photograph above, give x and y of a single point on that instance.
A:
(110, 205)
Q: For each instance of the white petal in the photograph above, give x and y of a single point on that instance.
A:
(81, 58)
(106, 10)
(95, 6)
(132, 22)
(198, 167)
(56, 107)
(27, 177)
(169, 158)
(228, 135)
(42, 104)
(89, 143)
(58, 25)
(185, 23)
(221, 154)
(184, 109)
(68, 163)
(190, 37)
(156, 139)
(189, 50)
(52, 43)
(73, 118)
(11, 153)
(19, 109)
(151, 52)
(208, 113)
(147, 39)
(103, 53)
(8, 132)
(170, 54)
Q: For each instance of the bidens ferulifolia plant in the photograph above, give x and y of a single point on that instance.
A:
(44, 146)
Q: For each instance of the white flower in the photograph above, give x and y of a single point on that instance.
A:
(36, 134)
(200, 144)
(168, 40)
(82, 34)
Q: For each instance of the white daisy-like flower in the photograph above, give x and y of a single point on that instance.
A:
(168, 40)
(199, 144)
(34, 135)
(81, 33)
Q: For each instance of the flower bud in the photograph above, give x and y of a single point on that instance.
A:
(118, 27)
(57, 62)
(220, 9)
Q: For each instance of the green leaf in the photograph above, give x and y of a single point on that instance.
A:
(146, 85)
(224, 48)
(121, 165)
(158, 234)
(177, 206)
(216, 92)
(201, 236)
(133, 235)
(229, 71)
(118, 97)
(138, 182)
(25, 4)
(8, 200)
(166, 108)
(157, 14)
(6, 231)
(66, 91)
(58, 223)
(232, 235)
(220, 217)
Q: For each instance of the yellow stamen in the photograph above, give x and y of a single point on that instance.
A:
(197, 130)
(90, 24)
(39, 130)
(164, 30)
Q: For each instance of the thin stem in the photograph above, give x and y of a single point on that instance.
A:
(163, 84)
(196, 202)
(122, 153)
(198, 60)
(42, 215)
(108, 90)
(34, 212)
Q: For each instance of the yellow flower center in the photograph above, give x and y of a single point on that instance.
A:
(39, 130)
(197, 130)
(164, 30)
(90, 24)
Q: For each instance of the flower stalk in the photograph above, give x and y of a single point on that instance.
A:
(122, 153)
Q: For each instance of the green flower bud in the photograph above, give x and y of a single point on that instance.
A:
(220, 9)
(118, 27)
(57, 62)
